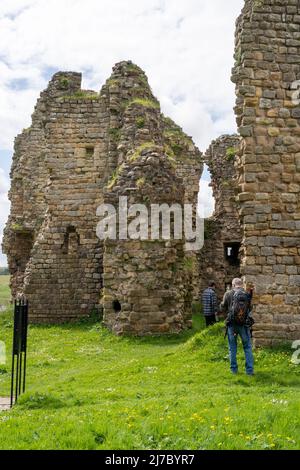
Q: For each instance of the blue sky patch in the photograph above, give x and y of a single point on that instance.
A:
(19, 84)
(5, 160)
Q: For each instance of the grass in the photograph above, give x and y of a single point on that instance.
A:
(138, 151)
(140, 122)
(113, 179)
(115, 133)
(4, 290)
(231, 153)
(81, 95)
(147, 103)
(88, 389)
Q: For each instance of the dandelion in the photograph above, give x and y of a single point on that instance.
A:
(228, 420)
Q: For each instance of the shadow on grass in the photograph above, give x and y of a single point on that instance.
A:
(94, 324)
(49, 401)
(272, 378)
(41, 401)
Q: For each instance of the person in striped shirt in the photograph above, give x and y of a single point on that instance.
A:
(210, 304)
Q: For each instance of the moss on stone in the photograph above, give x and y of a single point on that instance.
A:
(231, 153)
(144, 146)
(17, 227)
(209, 228)
(114, 177)
(133, 68)
(147, 103)
(229, 184)
(140, 122)
(189, 264)
(140, 182)
(170, 154)
(238, 56)
(175, 136)
(82, 95)
(112, 82)
(115, 133)
(177, 148)
(64, 83)
(257, 4)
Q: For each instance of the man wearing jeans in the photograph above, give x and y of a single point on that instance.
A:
(235, 330)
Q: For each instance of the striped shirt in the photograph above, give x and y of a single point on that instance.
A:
(209, 302)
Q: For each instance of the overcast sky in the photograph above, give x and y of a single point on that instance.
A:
(185, 47)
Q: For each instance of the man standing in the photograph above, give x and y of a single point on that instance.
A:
(210, 304)
(236, 304)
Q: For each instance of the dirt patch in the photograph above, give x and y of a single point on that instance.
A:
(4, 403)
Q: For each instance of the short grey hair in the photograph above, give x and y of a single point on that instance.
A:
(237, 282)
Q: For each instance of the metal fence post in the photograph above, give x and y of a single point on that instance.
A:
(19, 350)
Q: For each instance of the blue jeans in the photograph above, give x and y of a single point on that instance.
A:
(244, 333)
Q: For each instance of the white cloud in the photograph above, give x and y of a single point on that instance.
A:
(4, 209)
(205, 199)
(4, 183)
(186, 49)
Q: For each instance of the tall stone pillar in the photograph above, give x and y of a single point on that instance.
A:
(267, 63)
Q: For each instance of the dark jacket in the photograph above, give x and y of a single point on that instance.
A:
(228, 301)
(209, 302)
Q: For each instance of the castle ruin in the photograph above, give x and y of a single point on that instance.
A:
(220, 256)
(85, 148)
(267, 55)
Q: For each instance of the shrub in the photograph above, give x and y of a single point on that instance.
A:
(64, 83)
(231, 153)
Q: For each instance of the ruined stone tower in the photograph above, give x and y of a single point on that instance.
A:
(267, 64)
(220, 256)
(144, 280)
(85, 148)
(65, 165)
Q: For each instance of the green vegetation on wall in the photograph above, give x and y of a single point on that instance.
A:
(81, 95)
(147, 103)
(231, 153)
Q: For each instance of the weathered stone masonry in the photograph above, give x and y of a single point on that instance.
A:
(65, 165)
(144, 281)
(220, 256)
(267, 62)
(85, 148)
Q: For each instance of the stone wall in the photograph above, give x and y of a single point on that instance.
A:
(144, 280)
(147, 285)
(77, 144)
(219, 258)
(267, 58)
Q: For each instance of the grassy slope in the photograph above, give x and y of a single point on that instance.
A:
(90, 390)
(4, 291)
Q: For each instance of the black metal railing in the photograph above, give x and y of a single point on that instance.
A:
(19, 352)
